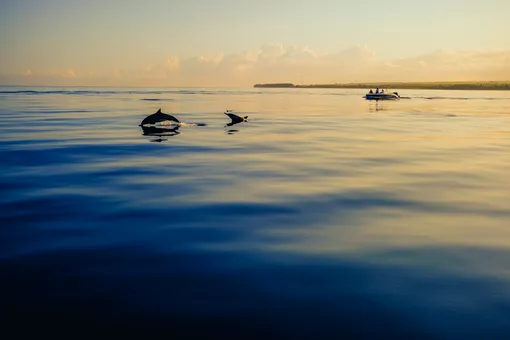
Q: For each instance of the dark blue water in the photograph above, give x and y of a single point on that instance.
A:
(324, 216)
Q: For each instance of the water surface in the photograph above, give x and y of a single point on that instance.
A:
(324, 216)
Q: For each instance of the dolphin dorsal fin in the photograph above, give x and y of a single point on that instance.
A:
(159, 111)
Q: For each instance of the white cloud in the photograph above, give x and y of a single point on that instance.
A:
(279, 63)
(172, 63)
(69, 73)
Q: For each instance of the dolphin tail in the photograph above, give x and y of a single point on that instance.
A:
(245, 117)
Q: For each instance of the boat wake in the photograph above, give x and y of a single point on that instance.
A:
(463, 98)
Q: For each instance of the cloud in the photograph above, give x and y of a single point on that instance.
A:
(172, 63)
(69, 73)
(280, 63)
(457, 65)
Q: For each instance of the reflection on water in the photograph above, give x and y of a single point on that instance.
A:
(161, 132)
(377, 105)
(319, 220)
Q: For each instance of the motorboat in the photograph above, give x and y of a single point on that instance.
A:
(382, 96)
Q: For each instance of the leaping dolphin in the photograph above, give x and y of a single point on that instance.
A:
(235, 118)
(158, 117)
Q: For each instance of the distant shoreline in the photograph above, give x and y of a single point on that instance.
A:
(471, 85)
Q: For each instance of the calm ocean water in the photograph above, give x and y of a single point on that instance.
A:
(324, 216)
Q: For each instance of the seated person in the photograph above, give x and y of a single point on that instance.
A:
(370, 91)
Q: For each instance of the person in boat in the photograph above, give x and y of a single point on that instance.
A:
(377, 90)
(370, 91)
(382, 91)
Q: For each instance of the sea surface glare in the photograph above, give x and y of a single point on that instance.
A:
(324, 216)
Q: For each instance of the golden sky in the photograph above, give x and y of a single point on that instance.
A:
(242, 42)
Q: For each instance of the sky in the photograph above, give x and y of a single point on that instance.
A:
(243, 42)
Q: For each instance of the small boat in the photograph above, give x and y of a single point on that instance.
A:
(382, 96)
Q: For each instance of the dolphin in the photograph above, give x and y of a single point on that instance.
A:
(158, 117)
(235, 118)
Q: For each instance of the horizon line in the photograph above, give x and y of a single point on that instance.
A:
(270, 83)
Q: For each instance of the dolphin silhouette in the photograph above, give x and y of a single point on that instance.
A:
(158, 117)
(235, 118)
